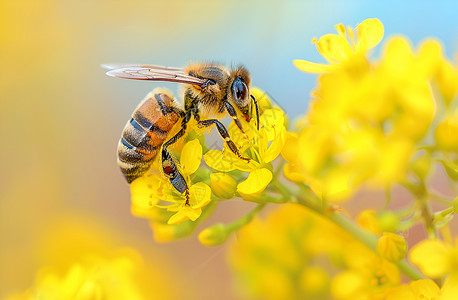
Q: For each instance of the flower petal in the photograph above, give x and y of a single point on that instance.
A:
(432, 257)
(191, 156)
(256, 182)
(290, 150)
(333, 47)
(369, 33)
(425, 289)
(311, 67)
(184, 214)
(272, 120)
(199, 195)
(219, 161)
(276, 146)
(450, 287)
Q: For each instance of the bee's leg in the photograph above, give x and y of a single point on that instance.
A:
(169, 166)
(170, 170)
(231, 111)
(165, 109)
(224, 134)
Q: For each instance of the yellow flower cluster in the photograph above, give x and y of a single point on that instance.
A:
(171, 217)
(368, 120)
(371, 123)
(81, 260)
(296, 254)
(94, 278)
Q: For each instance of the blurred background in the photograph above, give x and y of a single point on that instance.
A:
(61, 116)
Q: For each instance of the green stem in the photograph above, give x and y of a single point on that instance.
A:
(367, 239)
(421, 196)
(245, 219)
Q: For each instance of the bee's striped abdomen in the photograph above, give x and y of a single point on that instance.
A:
(145, 133)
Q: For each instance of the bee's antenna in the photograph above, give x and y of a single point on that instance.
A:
(257, 110)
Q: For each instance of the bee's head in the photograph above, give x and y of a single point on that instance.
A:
(240, 87)
(240, 93)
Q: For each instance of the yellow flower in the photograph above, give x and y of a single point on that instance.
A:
(367, 119)
(283, 257)
(152, 194)
(199, 193)
(261, 147)
(343, 49)
(419, 289)
(370, 278)
(94, 278)
(82, 260)
(437, 259)
(446, 133)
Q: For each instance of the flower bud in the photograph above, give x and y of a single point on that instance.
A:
(214, 235)
(388, 221)
(422, 165)
(367, 219)
(223, 185)
(391, 247)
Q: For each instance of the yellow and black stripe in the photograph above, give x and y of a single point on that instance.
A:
(145, 133)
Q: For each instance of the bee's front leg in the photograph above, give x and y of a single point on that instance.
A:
(233, 113)
(224, 134)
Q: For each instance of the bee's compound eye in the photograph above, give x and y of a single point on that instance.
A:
(239, 90)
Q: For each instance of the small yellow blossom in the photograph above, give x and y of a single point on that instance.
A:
(434, 258)
(419, 289)
(303, 239)
(446, 133)
(152, 193)
(96, 278)
(81, 259)
(261, 148)
(437, 259)
(368, 220)
(366, 119)
(343, 49)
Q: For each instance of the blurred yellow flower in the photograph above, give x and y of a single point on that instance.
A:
(366, 119)
(438, 259)
(94, 277)
(344, 49)
(82, 260)
(420, 289)
(275, 258)
(446, 133)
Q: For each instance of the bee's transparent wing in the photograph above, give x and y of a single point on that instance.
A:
(157, 67)
(152, 72)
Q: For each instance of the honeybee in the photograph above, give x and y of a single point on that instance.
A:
(211, 91)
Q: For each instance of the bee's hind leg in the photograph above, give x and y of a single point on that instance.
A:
(170, 170)
(169, 166)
